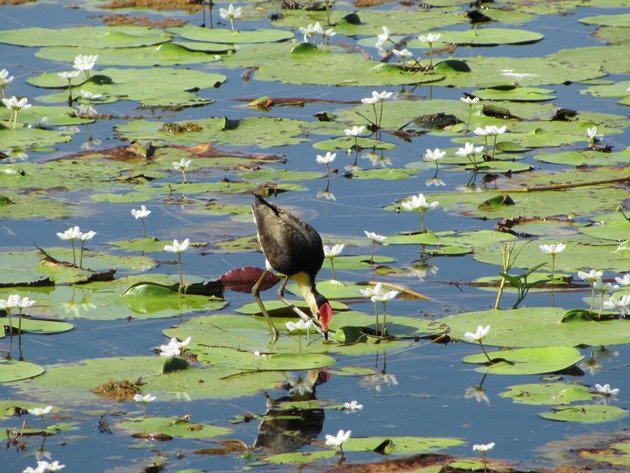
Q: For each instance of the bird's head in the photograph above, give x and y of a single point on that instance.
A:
(324, 313)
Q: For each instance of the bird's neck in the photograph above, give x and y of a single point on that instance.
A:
(307, 286)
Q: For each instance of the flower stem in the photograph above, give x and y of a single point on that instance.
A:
(74, 254)
(484, 351)
(592, 297)
(181, 275)
(332, 267)
(81, 254)
(494, 146)
(553, 266)
(144, 227)
(468, 122)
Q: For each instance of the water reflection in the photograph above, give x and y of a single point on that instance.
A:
(378, 380)
(326, 193)
(287, 429)
(477, 392)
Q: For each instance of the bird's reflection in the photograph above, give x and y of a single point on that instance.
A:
(287, 429)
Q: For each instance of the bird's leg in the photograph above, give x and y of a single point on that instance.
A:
(256, 293)
(297, 310)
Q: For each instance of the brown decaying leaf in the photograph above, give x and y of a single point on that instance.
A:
(227, 447)
(187, 5)
(129, 20)
(116, 390)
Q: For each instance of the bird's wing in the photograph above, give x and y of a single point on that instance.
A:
(290, 244)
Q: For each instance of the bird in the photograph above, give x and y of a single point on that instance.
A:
(294, 249)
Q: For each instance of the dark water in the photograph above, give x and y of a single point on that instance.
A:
(429, 397)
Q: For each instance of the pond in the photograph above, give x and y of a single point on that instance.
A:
(164, 117)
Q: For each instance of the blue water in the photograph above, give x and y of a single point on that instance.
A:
(429, 397)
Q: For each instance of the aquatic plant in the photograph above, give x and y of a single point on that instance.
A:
(178, 248)
(142, 213)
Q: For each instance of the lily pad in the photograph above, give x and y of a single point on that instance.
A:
(400, 445)
(173, 427)
(88, 36)
(197, 33)
(523, 361)
(73, 381)
(550, 393)
(14, 370)
(485, 37)
(585, 413)
(538, 327)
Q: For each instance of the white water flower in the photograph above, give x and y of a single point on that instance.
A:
(468, 150)
(174, 347)
(16, 105)
(87, 236)
(87, 95)
(354, 131)
(332, 251)
(479, 335)
(328, 34)
(485, 131)
(147, 398)
(374, 236)
(402, 54)
(43, 467)
(311, 30)
(383, 37)
(434, 155)
(418, 203)
(624, 280)
(483, 448)
(69, 75)
(72, 233)
(352, 406)
(592, 276)
(327, 158)
(299, 326)
(142, 212)
(40, 411)
(622, 304)
(592, 135)
(380, 295)
(470, 100)
(84, 62)
(182, 164)
(430, 38)
(606, 390)
(553, 249)
(339, 439)
(5, 78)
(177, 247)
(231, 13)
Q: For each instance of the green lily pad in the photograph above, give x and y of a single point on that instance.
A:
(14, 370)
(172, 426)
(484, 37)
(537, 327)
(87, 36)
(523, 361)
(167, 54)
(400, 445)
(617, 230)
(197, 33)
(350, 69)
(264, 132)
(343, 143)
(584, 158)
(585, 413)
(39, 326)
(581, 252)
(358, 261)
(516, 94)
(73, 381)
(298, 458)
(105, 300)
(162, 87)
(549, 393)
(618, 20)
(27, 138)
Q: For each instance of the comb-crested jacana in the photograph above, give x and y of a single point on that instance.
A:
(294, 249)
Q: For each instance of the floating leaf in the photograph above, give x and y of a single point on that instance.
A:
(173, 426)
(585, 413)
(14, 370)
(550, 393)
(197, 33)
(88, 36)
(537, 327)
(527, 360)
